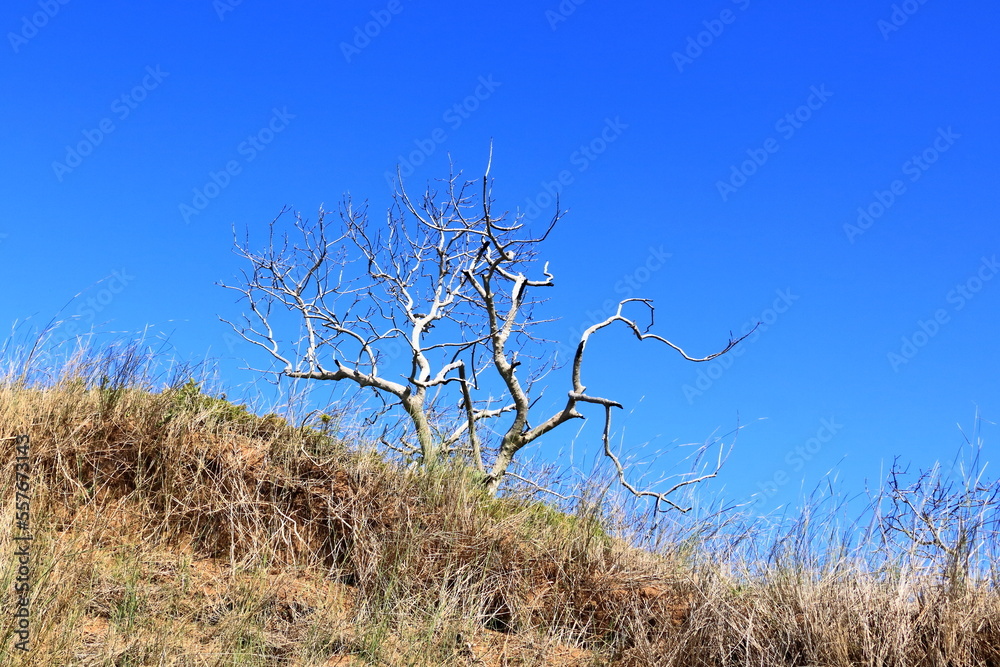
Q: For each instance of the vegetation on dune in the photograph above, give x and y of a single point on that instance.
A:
(174, 527)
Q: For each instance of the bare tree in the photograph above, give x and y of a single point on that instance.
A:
(945, 517)
(444, 286)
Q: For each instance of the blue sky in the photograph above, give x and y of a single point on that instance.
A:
(829, 168)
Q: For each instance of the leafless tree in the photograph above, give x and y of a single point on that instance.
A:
(949, 517)
(445, 287)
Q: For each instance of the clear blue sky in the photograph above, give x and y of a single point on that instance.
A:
(828, 167)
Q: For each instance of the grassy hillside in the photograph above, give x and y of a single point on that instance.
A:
(171, 527)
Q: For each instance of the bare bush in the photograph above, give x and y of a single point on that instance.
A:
(946, 518)
(447, 289)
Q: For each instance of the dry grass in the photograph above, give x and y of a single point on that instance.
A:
(172, 528)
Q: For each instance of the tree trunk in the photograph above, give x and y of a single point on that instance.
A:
(414, 407)
(504, 457)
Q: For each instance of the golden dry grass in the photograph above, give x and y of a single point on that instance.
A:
(171, 528)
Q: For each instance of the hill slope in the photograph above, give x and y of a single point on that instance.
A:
(175, 528)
